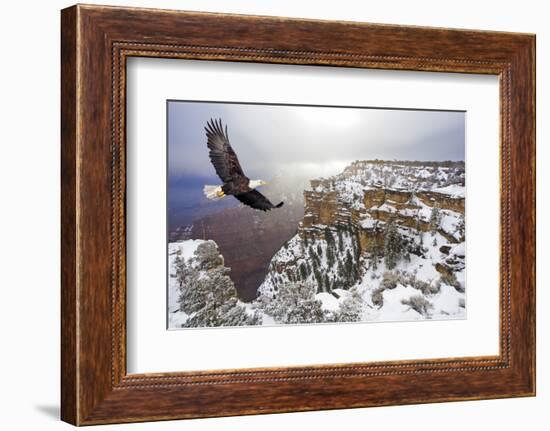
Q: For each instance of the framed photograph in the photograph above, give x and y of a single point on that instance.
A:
(322, 214)
(369, 230)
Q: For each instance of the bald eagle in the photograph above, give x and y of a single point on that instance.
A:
(228, 168)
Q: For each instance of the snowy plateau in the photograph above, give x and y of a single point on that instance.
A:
(380, 241)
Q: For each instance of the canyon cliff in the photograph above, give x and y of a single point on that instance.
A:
(373, 218)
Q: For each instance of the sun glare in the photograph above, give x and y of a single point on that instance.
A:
(329, 117)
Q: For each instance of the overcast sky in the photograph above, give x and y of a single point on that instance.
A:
(313, 142)
(269, 139)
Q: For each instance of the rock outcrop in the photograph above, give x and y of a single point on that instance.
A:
(346, 218)
(326, 205)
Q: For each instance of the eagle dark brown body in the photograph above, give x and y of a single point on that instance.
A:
(228, 168)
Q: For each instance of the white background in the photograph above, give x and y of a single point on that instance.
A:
(151, 348)
(29, 216)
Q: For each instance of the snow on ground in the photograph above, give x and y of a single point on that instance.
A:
(458, 249)
(369, 223)
(176, 318)
(361, 176)
(447, 303)
(330, 301)
(444, 305)
(350, 186)
(453, 190)
(385, 207)
(185, 249)
(393, 309)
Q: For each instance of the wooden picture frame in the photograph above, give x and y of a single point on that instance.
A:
(95, 43)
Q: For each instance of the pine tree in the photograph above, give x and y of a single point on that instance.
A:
(374, 253)
(314, 264)
(207, 294)
(350, 225)
(319, 279)
(393, 245)
(328, 237)
(348, 265)
(180, 266)
(340, 239)
(435, 218)
(417, 226)
(295, 303)
(303, 271)
(289, 273)
(350, 308)
(313, 256)
(327, 283)
(207, 256)
(340, 269)
(354, 272)
(330, 256)
(461, 227)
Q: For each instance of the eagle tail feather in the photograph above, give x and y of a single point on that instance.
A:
(279, 205)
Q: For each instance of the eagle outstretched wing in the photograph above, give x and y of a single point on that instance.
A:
(256, 200)
(221, 153)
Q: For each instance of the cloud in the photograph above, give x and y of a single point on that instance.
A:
(269, 138)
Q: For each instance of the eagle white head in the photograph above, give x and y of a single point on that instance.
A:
(256, 183)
